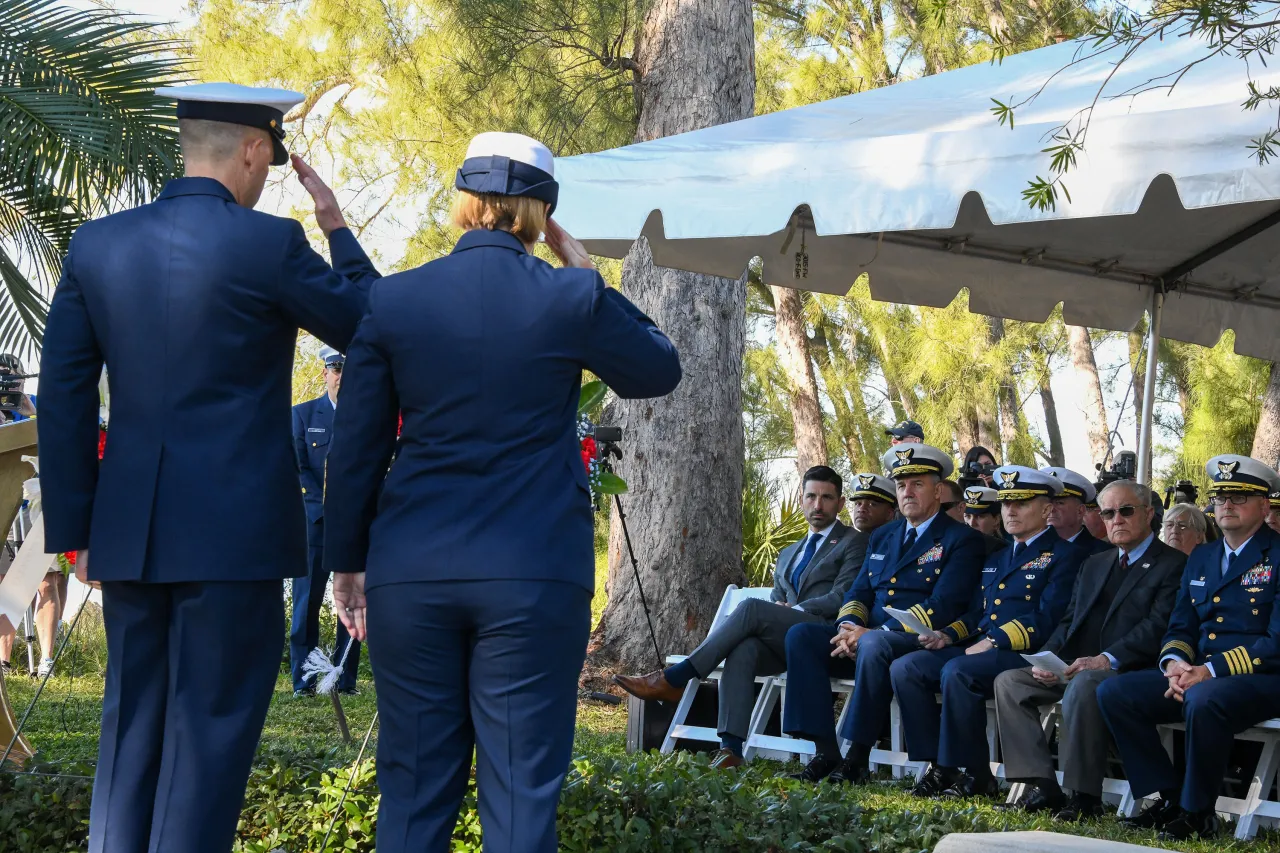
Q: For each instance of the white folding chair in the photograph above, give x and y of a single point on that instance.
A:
(733, 596)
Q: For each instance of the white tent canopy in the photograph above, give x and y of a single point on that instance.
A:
(919, 186)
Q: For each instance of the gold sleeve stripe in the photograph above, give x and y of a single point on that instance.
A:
(1179, 646)
(856, 609)
(1019, 639)
(923, 615)
(959, 628)
(1238, 661)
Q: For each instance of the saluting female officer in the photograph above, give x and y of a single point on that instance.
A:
(475, 559)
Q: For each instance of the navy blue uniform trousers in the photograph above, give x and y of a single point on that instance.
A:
(807, 711)
(191, 670)
(955, 734)
(488, 664)
(304, 632)
(1215, 711)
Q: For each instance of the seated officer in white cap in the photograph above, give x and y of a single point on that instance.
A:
(1069, 507)
(1219, 669)
(1024, 591)
(312, 431)
(810, 582)
(477, 546)
(925, 563)
(193, 302)
(982, 513)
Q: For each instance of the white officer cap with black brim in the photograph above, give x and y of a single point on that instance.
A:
(1230, 473)
(980, 500)
(329, 356)
(876, 487)
(1020, 483)
(509, 164)
(905, 460)
(1073, 485)
(235, 104)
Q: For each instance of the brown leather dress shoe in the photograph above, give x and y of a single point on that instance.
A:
(725, 759)
(648, 687)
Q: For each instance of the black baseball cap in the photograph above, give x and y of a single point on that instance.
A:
(906, 428)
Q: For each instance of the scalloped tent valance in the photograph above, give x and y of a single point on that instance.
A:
(919, 186)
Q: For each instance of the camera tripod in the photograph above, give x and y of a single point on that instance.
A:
(609, 450)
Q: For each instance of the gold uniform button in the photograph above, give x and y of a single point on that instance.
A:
(1028, 598)
(313, 444)
(304, 491)
(1002, 586)
(1213, 636)
(891, 592)
(1219, 618)
(893, 580)
(997, 601)
(1253, 601)
(1216, 599)
(1257, 662)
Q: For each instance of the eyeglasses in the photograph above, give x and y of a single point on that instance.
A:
(1176, 526)
(1234, 500)
(1125, 511)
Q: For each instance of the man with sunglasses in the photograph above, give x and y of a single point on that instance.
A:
(1023, 593)
(312, 429)
(1118, 613)
(1219, 668)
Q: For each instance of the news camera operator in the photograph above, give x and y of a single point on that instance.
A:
(976, 468)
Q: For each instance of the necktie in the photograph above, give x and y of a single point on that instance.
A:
(809, 548)
(1124, 561)
(1018, 549)
(910, 541)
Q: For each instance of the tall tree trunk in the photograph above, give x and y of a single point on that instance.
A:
(988, 429)
(1266, 438)
(793, 353)
(1007, 400)
(683, 453)
(1095, 412)
(967, 433)
(1138, 377)
(1057, 457)
(845, 427)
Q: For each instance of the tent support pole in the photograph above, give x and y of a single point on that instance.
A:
(1149, 385)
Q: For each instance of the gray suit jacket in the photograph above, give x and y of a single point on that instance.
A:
(1136, 621)
(827, 577)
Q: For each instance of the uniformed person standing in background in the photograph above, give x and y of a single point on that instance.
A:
(1070, 508)
(982, 513)
(193, 302)
(1024, 591)
(478, 547)
(312, 430)
(925, 563)
(1219, 669)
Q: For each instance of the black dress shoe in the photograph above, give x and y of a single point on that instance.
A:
(1153, 817)
(850, 772)
(1038, 798)
(967, 786)
(818, 768)
(1187, 825)
(935, 780)
(1081, 807)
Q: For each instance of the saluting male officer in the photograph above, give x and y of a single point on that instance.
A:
(193, 302)
(1069, 509)
(925, 563)
(1025, 590)
(1219, 669)
(312, 429)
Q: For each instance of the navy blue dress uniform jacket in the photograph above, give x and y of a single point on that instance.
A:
(934, 580)
(1090, 544)
(312, 431)
(487, 346)
(1022, 600)
(222, 290)
(1231, 621)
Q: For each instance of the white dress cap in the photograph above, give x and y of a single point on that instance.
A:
(516, 146)
(233, 93)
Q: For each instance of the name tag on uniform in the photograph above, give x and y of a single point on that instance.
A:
(314, 429)
(988, 569)
(933, 555)
(1198, 583)
(876, 557)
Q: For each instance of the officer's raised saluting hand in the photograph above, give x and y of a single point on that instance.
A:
(568, 250)
(328, 213)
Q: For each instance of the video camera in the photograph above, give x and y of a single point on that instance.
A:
(12, 381)
(1124, 468)
(975, 474)
(1182, 492)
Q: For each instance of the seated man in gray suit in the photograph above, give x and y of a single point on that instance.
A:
(1118, 614)
(810, 581)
